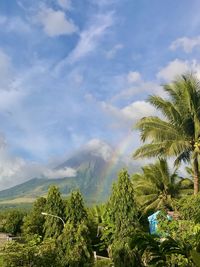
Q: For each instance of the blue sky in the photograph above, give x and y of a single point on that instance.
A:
(75, 71)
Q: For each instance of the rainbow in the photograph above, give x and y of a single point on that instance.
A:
(118, 152)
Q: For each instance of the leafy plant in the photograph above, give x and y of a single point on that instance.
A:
(54, 205)
(176, 133)
(156, 186)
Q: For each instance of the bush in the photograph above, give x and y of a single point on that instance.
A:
(189, 208)
(103, 263)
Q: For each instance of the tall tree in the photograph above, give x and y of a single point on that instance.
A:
(176, 133)
(121, 208)
(122, 221)
(33, 253)
(75, 210)
(75, 240)
(14, 221)
(75, 244)
(54, 206)
(34, 221)
(156, 186)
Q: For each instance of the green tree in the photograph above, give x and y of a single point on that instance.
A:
(14, 221)
(75, 210)
(54, 205)
(97, 221)
(17, 255)
(156, 186)
(75, 239)
(121, 222)
(33, 253)
(176, 133)
(34, 221)
(121, 207)
(189, 208)
(125, 255)
(76, 246)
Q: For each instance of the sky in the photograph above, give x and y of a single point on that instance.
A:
(78, 72)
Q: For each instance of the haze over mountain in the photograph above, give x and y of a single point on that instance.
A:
(92, 169)
(72, 71)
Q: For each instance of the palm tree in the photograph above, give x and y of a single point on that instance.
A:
(176, 133)
(158, 252)
(156, 186)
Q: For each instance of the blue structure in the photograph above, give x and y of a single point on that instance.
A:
(153, 222)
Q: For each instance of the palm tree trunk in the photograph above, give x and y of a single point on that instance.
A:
(196, 175)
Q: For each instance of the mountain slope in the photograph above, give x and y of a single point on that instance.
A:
(95, 172)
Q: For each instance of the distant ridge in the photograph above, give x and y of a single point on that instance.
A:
(91, 178)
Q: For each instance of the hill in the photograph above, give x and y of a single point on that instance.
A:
(95, 171)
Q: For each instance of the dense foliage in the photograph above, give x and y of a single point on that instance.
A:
(157, 187)
(121, 207)
(75, 242)
(54, 205)
(34, 221)
(11, 221)
(176, 133)
(114, 230)
(61, 232)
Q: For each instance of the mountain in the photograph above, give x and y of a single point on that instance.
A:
(95, 168)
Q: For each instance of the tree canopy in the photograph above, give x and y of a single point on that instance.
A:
(176, 132)
(157, 186)
(54, 206)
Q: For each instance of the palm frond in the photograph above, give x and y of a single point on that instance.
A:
(166, 108)
(151, 150)
(154, 128)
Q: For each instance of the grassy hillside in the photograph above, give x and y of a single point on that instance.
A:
(91, 179)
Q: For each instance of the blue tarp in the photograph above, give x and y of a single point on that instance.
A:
(153, 222)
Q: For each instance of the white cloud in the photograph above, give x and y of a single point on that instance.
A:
(15, 170)
(55, 22)
(137, 110)
(131, 84)
(9, 166)
(141, 87)
(59, 173)
(11, 91)
(129, 114)
(173, 68)
(14, 85)
(133, 76)
(178, 67)
(65, 4)
(90, 37)
(14, 24)
(111, 53)
(99, 148)
(10, 98)
(185, 43)
(195, 68)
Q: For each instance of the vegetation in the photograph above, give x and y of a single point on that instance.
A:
(121, 207)
(54, 205)
(156, 187)
(70, 235)
(75, 242)
(34, 221)
(12, 221)
(177, 132)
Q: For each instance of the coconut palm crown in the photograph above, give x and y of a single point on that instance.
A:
(176, 133)
(157, 186)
